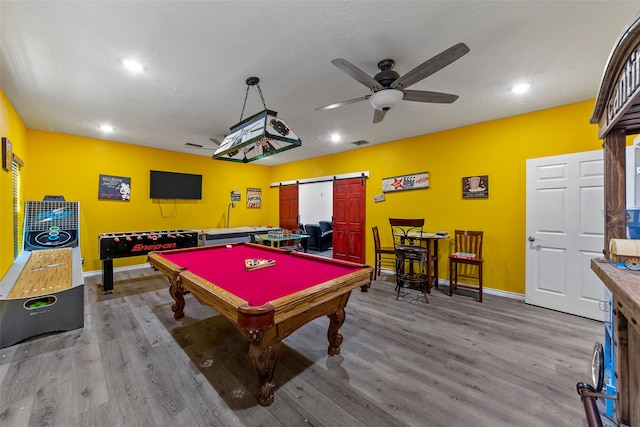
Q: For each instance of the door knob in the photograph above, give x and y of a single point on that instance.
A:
(532, 239)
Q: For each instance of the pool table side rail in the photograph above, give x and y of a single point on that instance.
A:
(293, 304)
(163, 265)
(281, 317)
(170, 268)
(226, 303)
(288, 306)
(291, 323)
(206, 292)
(325, 259)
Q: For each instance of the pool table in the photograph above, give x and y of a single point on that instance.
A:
(265, 304)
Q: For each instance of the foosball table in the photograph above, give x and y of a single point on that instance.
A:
(129, 244)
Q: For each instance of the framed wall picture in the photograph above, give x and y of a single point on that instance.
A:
(7, 154)
(475, 187)
(405, 182)
(114, 188)
(254, 198)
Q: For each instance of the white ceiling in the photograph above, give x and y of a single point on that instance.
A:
(61, 65)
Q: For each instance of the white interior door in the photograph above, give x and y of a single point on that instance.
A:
(565, 230)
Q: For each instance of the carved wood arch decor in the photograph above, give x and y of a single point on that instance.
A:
(617, 105)
(617, 113)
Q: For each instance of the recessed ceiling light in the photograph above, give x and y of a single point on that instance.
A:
(133, 65)
(520, 88)
(335, 137)
(106, 128)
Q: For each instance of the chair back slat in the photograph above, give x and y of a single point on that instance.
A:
(468, 267)
(470, 242)
(376, 238)
(419, 222)
(404, 231)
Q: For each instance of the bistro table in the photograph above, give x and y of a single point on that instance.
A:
(277, 240)
(431, 243)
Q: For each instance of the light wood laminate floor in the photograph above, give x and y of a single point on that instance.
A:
(452, 362)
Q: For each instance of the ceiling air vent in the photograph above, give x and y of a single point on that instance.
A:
(361, 142)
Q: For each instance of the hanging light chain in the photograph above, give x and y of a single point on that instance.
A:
(261, 97)
(252, 81)
(244, 104)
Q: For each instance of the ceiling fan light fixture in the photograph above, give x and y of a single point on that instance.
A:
(386, 99)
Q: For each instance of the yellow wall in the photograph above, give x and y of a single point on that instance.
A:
(71, 165)
(12, 128)
(498, 148)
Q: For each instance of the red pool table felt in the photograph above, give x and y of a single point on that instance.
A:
(224, 266)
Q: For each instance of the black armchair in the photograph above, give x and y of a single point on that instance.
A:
(319, 240)
(325, 226)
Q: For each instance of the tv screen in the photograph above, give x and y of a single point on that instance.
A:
(173, 185)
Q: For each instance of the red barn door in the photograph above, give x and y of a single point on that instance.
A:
(289, 207)
(349, 219)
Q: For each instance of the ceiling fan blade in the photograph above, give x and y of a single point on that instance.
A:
(340, 104)
(197, 146)
(378, 115)
(357, 74)
(427, 96)
(431, 66)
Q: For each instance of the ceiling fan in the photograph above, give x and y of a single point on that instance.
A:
(388, 87)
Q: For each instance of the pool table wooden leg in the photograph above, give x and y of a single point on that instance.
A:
(335, 339)
(266, 359)
(177, 293)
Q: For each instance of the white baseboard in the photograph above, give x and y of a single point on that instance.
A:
(500, 293)
(486, 290)
(117, 269)
(490, 291)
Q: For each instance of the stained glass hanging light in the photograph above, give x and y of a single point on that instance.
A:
(258, 136)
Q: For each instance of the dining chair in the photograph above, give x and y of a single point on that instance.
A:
(466, 261)
(412, 259)
(380, 251)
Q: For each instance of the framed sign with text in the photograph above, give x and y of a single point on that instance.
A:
(114, 187)
(254, 198)
(406, 182)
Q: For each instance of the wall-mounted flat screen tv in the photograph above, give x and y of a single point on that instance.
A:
(174, 185)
